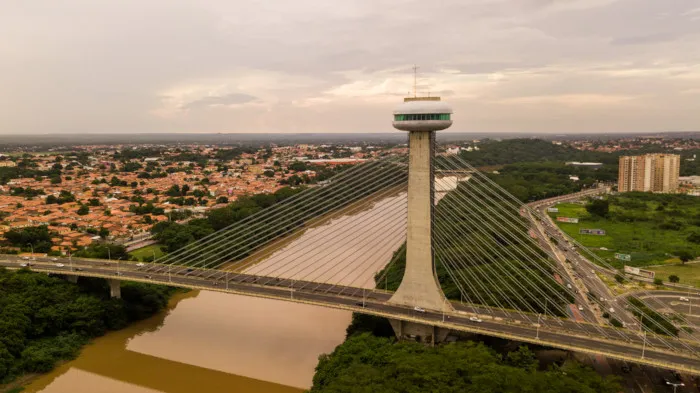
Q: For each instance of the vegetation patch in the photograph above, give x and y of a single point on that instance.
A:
(365, 363)
(651, 228)
(145, 254)
(45, 319)
(688, 274)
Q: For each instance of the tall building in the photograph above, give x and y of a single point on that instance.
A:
(649, 172)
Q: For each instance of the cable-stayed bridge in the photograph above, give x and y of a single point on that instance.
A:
(428, 242)
(489, 264)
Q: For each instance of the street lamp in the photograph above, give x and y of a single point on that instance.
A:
(443, 308)
(644, 345)
(675, 385)
(32, 246)
(538, 326)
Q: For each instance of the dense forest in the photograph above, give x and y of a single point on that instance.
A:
(512, 151)
(365, 363)
(45, 319)
(531, 181)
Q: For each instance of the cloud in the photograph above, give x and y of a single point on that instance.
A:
(645, 39)
(226, 100)
(213, 65)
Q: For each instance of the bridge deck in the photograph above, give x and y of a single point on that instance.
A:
(568, 335)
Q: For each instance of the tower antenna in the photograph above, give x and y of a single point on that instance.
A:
(415, 80)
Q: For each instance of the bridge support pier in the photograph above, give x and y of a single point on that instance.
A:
(115, 289)
(426, 334)
(73, 279)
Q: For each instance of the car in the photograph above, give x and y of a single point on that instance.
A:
(611, 310)
(359, 304)
(475, 319)
(23, 264)
(683, 299)
(190, 270)
(148, 276)
(419, 309)
(580, 308)
(625, 368)
(592, 271)
(60, 265)
(78, 269)
(25, 258)
(568, 286)
(118, 273)
(54, 259)
(140, 264)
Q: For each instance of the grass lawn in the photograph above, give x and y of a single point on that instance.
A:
(634, 227)
(147, 251)
(688, 273)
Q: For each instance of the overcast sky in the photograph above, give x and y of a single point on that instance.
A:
(137, 66)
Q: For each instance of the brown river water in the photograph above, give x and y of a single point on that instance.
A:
(215, 342)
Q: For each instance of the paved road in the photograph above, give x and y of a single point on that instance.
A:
(598, 296)
(556, 333)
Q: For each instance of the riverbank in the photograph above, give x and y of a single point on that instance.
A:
(46, 320)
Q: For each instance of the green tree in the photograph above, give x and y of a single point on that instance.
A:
(658, 281)
(297, 166)
(674, 278)
(685, 256)
(104, 232)
(599, 207)
(83, 210)
(364, 363)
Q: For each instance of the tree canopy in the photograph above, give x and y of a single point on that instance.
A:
(44, 319)
(365, 363)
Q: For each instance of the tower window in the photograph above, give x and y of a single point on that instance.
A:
(422, 116)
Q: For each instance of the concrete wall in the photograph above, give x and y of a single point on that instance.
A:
(115, 289)
(419, 286)
(422, 333)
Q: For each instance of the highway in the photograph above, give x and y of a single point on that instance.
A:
(563, 334)
(598, 296)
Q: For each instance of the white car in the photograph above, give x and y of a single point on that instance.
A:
(419, 309)
(23, 264)
(140, 264)
(60, 265)
(580, 308)
(54, 259)
(475, 319)
(611, 310)
(684, 299)
(25, 258)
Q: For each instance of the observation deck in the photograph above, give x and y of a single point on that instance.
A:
(422, 114)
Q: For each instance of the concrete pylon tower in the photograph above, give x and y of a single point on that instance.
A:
(421, 117)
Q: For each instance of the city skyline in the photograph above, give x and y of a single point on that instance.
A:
(236, 67)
